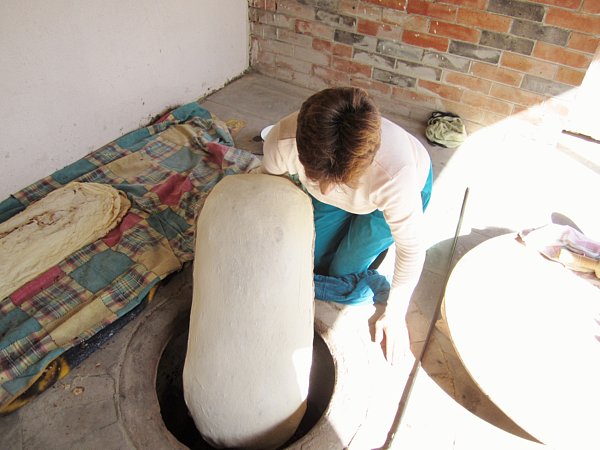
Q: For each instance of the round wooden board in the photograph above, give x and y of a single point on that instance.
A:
(528, 331)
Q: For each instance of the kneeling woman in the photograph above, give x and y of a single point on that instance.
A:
(370, 182)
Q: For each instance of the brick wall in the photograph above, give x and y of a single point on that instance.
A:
(482, 59)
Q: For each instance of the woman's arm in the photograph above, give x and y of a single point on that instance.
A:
(403, 213)
(390, 328)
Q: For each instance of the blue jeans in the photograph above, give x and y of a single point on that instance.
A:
(347, 243)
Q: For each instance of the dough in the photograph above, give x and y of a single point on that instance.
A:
(249, 354)
(52, 228)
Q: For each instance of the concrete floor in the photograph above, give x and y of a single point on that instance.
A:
(511, 173)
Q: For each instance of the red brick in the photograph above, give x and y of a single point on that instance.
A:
(293, 64)
(560, 55)
(494, 73)
(371, 28)
(515, 95)
(406, 21)
(333, 47)
(294, 38)
(517, 109)
(271, 5)
(528, 65)
(253, 15)
(387, 104)
(372, 86)
(425, 40)
(257, 4)
(264, 31)
(591, 6)
(569, 76)
(583, 42)
(469, 82)
(475, 4)
(571, 4)
(454, 31)
(314, 29)
(410, 96)
(321, 45)
(330, 76)
(487, 103)
(272, 46)
(353, 8)
(351, 67)
(367, 27)
(379, 29)
(392, 4)
(484, 20)
(390, 32)
(283, 21)
(436, 10)
(574, 21)
(295, 9)
(266, 58)
(310, 81)
(312, 56)
(276, 72)
(444, 91)
(342, 50)
(466, 112)
(490, 118)
(265, 17)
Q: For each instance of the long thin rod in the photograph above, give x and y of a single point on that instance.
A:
(418, 361)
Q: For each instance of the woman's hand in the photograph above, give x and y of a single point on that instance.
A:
(389, 330)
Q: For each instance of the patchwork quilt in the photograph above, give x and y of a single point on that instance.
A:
(164, 171)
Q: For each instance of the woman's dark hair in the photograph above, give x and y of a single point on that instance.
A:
(338, 134)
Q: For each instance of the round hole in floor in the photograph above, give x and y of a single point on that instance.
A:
(174, 412)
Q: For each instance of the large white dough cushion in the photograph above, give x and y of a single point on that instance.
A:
(246, 373)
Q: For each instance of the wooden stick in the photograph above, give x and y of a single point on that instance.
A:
(417, 364)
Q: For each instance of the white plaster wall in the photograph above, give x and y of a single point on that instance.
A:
(77, 74)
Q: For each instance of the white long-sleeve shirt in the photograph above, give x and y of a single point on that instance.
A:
(391, 184)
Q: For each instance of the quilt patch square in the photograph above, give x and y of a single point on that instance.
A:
(170, 191)
(168, 223)
(133, 283)
(73, 171)
(9, 208)
(107, 154)
(135, 140)
(16, 325)
(56, 302)
(115, 235)
(101, 270)
(181, 161)
(36, 191)
(37, 285)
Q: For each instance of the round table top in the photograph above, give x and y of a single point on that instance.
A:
(528, 331)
